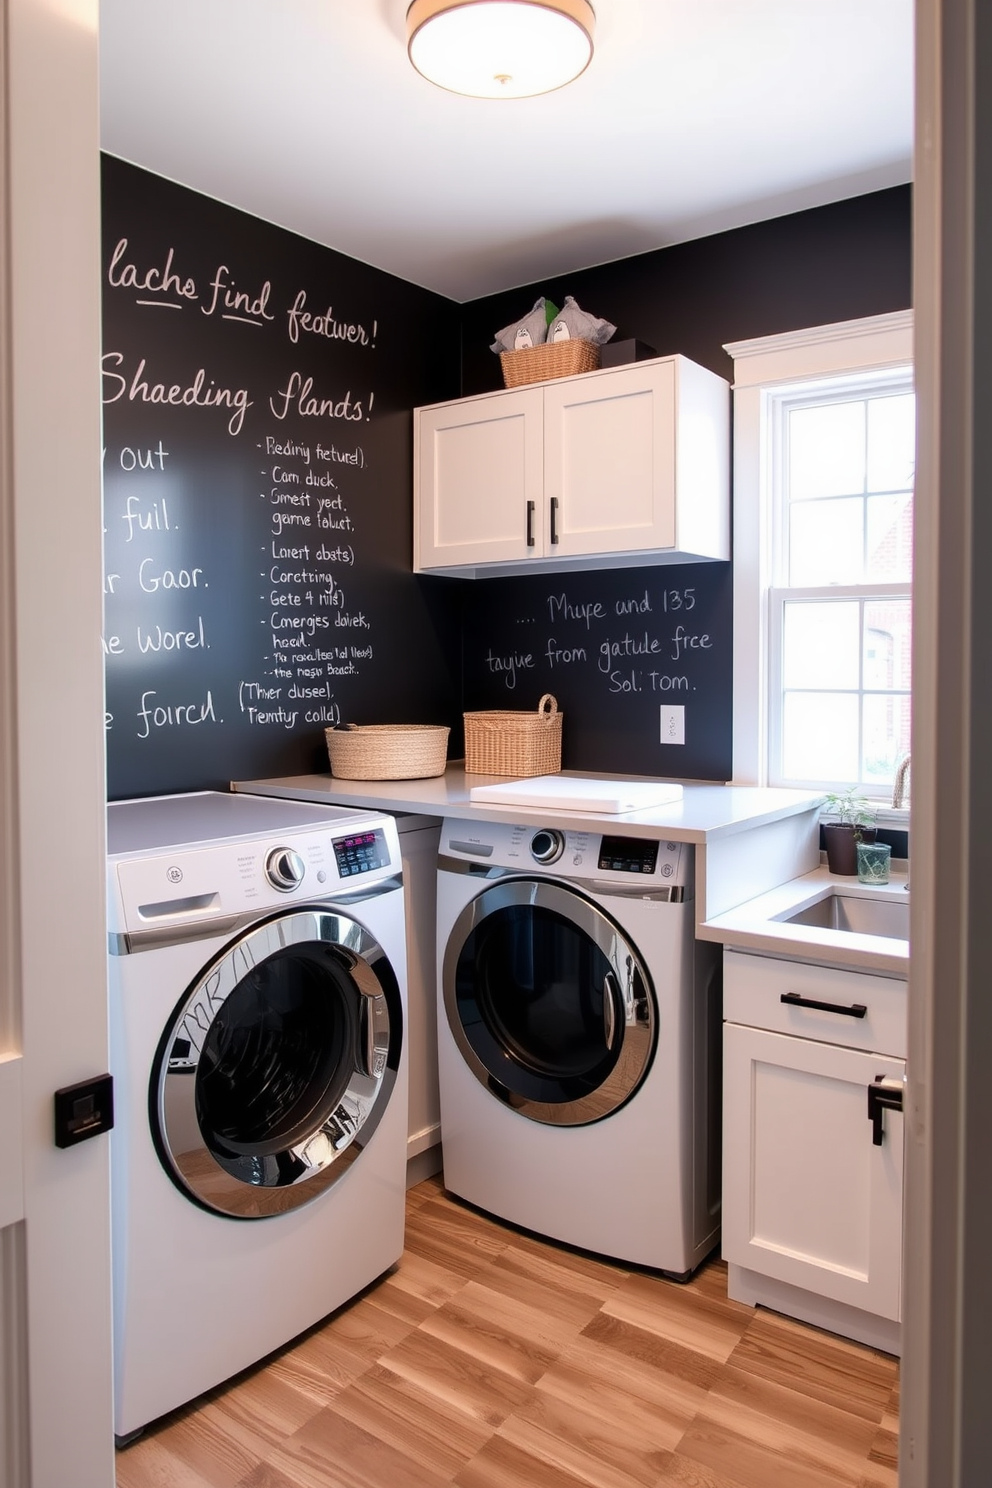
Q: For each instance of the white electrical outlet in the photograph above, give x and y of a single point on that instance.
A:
(672, 723)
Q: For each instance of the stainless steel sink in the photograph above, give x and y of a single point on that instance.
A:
(852, 912)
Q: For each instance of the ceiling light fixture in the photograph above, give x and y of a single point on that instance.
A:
(500, 48)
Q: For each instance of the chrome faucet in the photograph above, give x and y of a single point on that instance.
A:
(899, 788)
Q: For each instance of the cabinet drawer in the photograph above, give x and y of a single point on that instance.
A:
(754, 986)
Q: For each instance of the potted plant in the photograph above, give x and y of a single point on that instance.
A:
(852, 821)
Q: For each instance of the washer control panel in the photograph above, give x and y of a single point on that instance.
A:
(180, 885)
(361, 852)
(604, 857)
(628, 854)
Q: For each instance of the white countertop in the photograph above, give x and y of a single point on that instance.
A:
(752, 926)
(705, 812)
(714, 817)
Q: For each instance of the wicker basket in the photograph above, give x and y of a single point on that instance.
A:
(504, 743)
(550, 359)
(387, 751)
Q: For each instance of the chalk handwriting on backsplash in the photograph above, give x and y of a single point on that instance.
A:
(560, 607)
(155, 714)
(142, 459)
(140, 516)
(153, 578)
(283, 520)
(172, 288)
(508, 665)
(682, 642)
(156, 281)
(157, 639)
(233, 571)
(287, 448)
(200, 393)
(264, 703)
(556, 655)
(297, 398)
(584, 641)
(304, 322)
(236, 304)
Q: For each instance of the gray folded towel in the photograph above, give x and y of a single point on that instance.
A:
(573, 323)
(532, 330)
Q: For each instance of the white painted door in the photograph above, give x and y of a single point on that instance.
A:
(609, 461)
(56, 1424)
(808, 1196)
(479, 488)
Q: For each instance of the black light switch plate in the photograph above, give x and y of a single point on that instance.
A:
(84, 1110)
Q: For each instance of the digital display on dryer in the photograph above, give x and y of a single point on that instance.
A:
(628, 854)
(361, 852)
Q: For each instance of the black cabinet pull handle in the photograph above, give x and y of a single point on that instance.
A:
(530, 524)
(554, 520)
(856, 1010)
(884, 1094)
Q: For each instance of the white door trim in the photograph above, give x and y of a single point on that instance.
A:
(948, 1303)
(56, 1421)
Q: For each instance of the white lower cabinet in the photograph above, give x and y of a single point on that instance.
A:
(812, 1161)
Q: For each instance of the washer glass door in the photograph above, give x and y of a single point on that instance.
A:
(549, 1003)
(277, 1064)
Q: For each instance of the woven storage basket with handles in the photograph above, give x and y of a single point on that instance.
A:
(550, 359)
(387, 751)
(506, 743)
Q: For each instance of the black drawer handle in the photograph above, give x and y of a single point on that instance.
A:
(530, 524)
(554, 520)
(856, 1010)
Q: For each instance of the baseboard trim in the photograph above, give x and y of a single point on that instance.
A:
(836, 1317)
(424, 1164)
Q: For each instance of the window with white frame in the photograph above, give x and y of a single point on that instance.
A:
(840, 602)
(824, 471)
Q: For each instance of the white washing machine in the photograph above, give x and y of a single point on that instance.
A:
(579, 1039)
(257, 999)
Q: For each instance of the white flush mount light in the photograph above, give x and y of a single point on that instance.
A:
(500, 48)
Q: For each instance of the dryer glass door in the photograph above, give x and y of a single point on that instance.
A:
(549, 1003)
(277, 1064)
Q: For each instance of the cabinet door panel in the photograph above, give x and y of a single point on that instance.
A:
(610, 460)
(807, 1196)
(478, 468)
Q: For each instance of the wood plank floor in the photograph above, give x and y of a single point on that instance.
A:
(490, 1359)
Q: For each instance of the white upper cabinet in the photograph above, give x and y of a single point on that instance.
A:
(625, 465)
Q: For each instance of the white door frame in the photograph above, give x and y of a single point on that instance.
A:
(57, 1413)
(948, 1298)
(56, 1420)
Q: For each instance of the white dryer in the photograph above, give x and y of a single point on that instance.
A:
(579, 1039)
(257, 997)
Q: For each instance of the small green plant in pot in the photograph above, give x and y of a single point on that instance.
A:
(853, 822)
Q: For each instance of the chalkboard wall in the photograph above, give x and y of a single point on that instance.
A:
(257, 395)
(619, 651)
(838, 262)
(832, 263)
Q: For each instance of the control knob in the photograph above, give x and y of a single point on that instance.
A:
(547, 845)
(284, 868)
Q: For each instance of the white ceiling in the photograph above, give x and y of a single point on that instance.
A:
(694, 116)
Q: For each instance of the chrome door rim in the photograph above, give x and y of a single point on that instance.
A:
(639, 1013)
(306, 1168)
